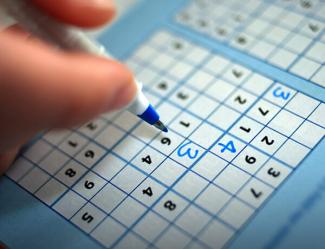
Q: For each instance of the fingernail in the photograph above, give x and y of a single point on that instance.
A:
(97, 3)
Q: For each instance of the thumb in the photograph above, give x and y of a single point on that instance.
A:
(42, 88)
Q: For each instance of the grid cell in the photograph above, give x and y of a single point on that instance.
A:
(69, 204)
(292, 153)
(150, 226)
(232, 179)
(88, 217)
(191, 185)
(213, 199)
(37, 151)
(108, 198)
(108, 232)
(221, 234)
(209, 166)
(206, 135)
(53, 161)
(168, 172)
(255, 192)
(190, 216)
(109, 166)
(236, 213)
(34, 179)
(148, 191)
(127, 215)
(309, 134)
(19, 168)
(128, 179)
(89, 185)
(224, 117)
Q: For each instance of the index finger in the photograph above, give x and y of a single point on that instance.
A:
(83, 13)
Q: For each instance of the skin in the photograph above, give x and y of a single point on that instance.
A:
(42, 88)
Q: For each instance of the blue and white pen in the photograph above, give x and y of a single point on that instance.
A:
(45, 27)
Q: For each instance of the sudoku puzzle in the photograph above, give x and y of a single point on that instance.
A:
(235, 135)
(287, 34)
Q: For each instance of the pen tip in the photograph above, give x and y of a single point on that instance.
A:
(159, 125)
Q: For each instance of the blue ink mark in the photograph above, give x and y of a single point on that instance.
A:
(187, 152)
(277, 92)
(229, 146)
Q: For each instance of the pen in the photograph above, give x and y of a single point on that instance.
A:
(66, 37)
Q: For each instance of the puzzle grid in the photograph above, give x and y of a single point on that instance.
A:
(286, 33)
(127, 185)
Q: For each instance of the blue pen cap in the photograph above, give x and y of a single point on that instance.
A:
(150, 115)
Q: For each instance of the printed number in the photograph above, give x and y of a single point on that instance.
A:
(247, 130)
(185, 124)
(273, 172)
(229, 146)
(87, 217)
(256, 194)
(90, 153)
(165, 140)
(73, 144)
(162, 85)
(237, 73)
(170, 205)
(70, 172)
(89, 184)
(146, 159)
(264, 113)
(278, 93)
(240, 100)
(187, 152)
(147, 191)
(267, 141)
(182, 96)
(250, 160)
(91, 126)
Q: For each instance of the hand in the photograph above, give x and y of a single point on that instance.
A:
(41, 87)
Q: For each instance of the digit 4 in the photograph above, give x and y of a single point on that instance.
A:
(230, 146)
(147, 191)
(146, 159)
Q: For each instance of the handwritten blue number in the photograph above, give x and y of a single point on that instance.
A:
(277, 92)
(229, 146)
(182, 151)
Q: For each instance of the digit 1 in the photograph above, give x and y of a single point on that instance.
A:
(73, 144)
(184, 124)
(248, 130)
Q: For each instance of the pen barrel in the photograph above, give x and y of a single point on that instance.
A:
(47, 28)
(140, 103)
